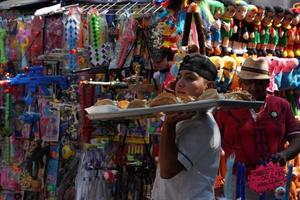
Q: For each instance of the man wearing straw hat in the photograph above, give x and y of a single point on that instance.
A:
(258, 136)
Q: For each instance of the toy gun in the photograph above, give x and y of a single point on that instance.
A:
(33, 79)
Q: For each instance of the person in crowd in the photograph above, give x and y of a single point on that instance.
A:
(190, 142)
(258, 136)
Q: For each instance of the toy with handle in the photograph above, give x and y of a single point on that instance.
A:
(7, 127)
(2, 45)
(72, 24)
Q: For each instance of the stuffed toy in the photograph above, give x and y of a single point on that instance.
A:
(219, 63)
(296, 78)
(227, 25)
(217, 10)
(287, 67)
(257, 28)
(235, 79)
(274, 34)
(229, 70)
(272, 62)
(292, 34)
(250, 25)
(265, 31)
(277, 74)
(297, 41)
(198, 10)
(240, 33)
(283, 33)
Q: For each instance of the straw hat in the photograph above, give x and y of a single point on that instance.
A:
(254, 69)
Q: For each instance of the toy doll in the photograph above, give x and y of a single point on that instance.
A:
(283, 32)
(265, 31)
(274, 34)
(257, 28)
(217, 10)
(297, 41)
(227, 25)
(199, 10)
(250, 25)
(292, 34)
(240, 34)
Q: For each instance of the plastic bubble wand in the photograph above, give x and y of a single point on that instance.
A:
(2, 46)
(7, 127)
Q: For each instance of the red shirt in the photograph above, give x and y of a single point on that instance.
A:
(255, 140)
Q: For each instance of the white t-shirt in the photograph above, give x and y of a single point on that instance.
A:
(198, 141)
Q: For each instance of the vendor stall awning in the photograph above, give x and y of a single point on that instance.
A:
(5, 5)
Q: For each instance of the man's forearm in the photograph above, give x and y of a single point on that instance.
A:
(293, 149)
(168, 153)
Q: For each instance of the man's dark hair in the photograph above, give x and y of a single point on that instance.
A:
(269, 9)
(288, 12)
(199, 64)
(228, 3)
(278, 9)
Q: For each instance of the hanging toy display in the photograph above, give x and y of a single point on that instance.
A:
(72, 25)
(2, 44)
(37, 38)
(265, 31)
(126, 40)
(217, 10)
(274, 30)
(98, 47)
(297, 41)
(293, 34)
(198, 10)
(283, 37)
(54, 29)
(257, 29)
(240, 33)
(250, 25)
(168, 31)
(11, 47)
(24, 31)
(227, 26)
(7, 126)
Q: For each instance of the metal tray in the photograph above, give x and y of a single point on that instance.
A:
(98, 113)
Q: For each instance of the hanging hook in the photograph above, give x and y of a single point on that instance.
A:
(103, 7)
(99, 5)
(143, 9)
(160, 7)
(88, 8)
(132, 6)
(107, 9)
(150, 9)
(122, 8)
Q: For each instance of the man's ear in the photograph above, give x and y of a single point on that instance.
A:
(210, 85)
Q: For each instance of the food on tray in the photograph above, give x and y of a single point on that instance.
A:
(137, 103)
(185, 99)
(123, 104)
(101, 102)
(165, 98)
(209, 94)
(239, 95)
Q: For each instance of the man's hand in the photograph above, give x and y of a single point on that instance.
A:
(279, 158)
(172, 119)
